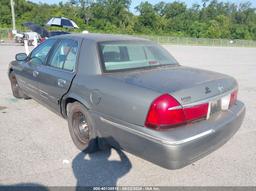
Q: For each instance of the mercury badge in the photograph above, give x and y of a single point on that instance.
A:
(220, 88)
(207, 90)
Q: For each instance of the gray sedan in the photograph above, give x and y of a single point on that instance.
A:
(131, 94)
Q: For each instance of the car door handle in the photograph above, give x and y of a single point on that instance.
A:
(61, 83)
(35, 73)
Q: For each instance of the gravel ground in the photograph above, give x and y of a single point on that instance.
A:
(35, 146)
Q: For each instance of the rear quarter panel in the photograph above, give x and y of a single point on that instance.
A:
(114, 99)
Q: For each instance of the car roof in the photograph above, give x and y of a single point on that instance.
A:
(100, 37)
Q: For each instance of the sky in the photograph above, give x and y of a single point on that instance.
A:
(137, 2)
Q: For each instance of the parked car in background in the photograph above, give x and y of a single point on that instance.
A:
(19, 37)
(55, 33)
(29, 36)
(36, 32)
(130, 93)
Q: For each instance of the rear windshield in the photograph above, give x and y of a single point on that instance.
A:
(129, 55)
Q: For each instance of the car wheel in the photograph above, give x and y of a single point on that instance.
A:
(16, 90)
(81, 128)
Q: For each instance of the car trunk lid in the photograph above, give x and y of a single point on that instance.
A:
(187, 85)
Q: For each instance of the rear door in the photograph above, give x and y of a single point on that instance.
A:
(55, 78)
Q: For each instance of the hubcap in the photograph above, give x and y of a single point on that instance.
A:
(81, 127)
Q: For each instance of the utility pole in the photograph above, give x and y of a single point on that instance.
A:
(13, 16)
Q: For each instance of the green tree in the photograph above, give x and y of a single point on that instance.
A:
(147, 18)
(210, 18)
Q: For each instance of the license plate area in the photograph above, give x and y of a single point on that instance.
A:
(216, 106)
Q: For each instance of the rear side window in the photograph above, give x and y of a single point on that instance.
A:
(65, 55)
(131, 55)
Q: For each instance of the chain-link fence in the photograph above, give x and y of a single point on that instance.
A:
(200, 41)
(179, 40)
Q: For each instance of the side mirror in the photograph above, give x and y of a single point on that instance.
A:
(21, 57)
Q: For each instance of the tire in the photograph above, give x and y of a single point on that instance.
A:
(81, 128)
(16, 90)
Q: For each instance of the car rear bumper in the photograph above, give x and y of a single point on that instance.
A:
(176, 147)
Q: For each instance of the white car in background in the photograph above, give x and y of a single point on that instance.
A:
(29, 36)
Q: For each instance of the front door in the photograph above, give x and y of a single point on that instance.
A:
(28, 75)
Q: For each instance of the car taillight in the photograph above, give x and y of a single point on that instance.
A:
(166, 112)
(233, 98)
(196, 112)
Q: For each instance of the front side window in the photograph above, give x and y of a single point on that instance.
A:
(41, 52)
(123, 55)
(65, 55)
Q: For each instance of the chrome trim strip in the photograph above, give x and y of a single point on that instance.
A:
(44, 96)
(22, 81)
(150, 137)
(175, 107)
(209, 99)
(209, 110)
(195, 137)
(42, 92)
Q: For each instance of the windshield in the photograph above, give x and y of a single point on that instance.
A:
(128, 55)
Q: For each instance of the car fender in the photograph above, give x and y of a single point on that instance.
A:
(74, 97)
